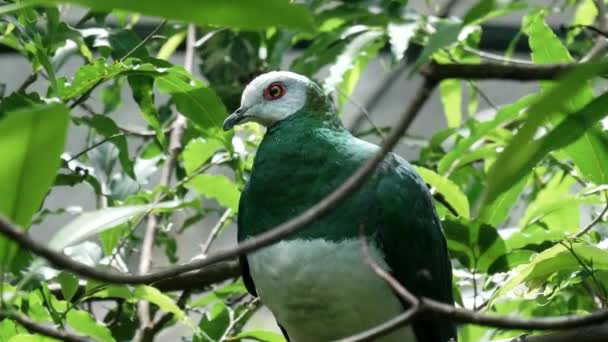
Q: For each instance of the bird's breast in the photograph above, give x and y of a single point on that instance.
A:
(321, 290)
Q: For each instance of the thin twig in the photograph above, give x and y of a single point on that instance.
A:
(94, 146)
(491, 57)
(597, 220)
(216, 230)
(145, 40)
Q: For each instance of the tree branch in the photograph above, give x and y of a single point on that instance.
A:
(43, 329)
(175, 146)
(488, 70)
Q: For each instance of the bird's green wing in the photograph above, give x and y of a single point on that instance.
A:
(410, 235)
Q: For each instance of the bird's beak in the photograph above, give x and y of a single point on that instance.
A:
(234, 118)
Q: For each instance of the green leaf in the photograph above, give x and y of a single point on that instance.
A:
(193, 99)
(90, 75)
(585, 14)
(69, 285)
(236, 13)
(496, 212)
(8, 329)
(553, 260)
(83, 323)
(451, 98)
(197, 153)
(143, 93)
(215, 322)
(31, 143)
(477, 246)
(522, 153)
(171, 45)
(108, 129)
(94, 222)
(462, 148)
(218, 187)
(448, 189)
(592, 148)
(447, 34)
(110, 238)
(154, 296)
(259, 335)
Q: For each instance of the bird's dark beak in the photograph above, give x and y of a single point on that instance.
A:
(234, 118)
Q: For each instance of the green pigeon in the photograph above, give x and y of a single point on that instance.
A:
(316, 282)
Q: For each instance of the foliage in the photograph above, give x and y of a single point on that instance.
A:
(512, 190)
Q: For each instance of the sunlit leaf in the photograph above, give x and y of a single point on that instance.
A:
(451, 98)
(198, 151)
(218, 187)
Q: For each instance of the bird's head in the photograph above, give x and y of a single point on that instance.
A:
(277, 95)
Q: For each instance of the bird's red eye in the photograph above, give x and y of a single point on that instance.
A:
(274, 91)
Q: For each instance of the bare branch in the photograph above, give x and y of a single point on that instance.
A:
(497, 71)
(175, 146)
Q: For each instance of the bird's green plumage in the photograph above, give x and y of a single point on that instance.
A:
(308, 155)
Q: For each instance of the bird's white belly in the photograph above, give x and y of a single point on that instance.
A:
(321, 290)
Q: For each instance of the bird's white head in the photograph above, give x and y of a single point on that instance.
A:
(270, 98)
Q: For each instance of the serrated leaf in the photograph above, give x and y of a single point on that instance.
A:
(218, 187)
(31, 143)
(450, 191)
(451, 98)
(198, 151)
(83, 323)
(95, 222)
(236, 13)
